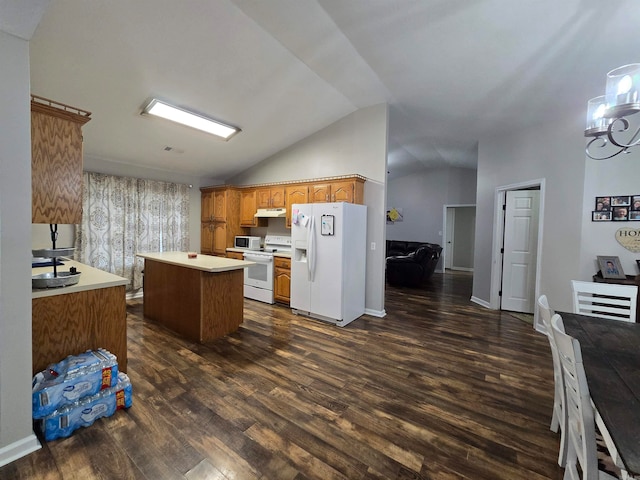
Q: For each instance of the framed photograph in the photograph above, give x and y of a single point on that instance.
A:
(603, 204)
(634, 216)
(638, 264)
(620, 213)
(621, 201)
(635, 202)
(610, 267)
(601, 216)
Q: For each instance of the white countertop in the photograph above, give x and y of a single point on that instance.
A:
(90, 279)
(206, 263)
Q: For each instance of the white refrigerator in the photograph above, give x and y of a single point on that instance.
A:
(328, 261)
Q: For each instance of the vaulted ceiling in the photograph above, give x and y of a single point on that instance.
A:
(452, 72)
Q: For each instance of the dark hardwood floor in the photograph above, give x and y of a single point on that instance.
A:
(438, 389)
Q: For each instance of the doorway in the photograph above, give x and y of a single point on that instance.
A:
(459, 237)
(514, 277)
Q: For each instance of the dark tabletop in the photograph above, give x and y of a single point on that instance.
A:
(611, 356)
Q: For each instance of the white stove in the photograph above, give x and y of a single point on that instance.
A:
(258, 279)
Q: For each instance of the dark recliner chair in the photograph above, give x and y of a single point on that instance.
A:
(409, 264)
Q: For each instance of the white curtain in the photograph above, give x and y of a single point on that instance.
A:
(123, 216)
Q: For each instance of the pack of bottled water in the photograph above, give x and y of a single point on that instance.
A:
(83, 412)
(72, 379)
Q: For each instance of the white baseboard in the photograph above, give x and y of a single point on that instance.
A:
(481, 302)
(463, 269)
(19, 449)
(375, 313)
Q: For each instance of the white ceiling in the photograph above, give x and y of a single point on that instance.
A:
(452, 71)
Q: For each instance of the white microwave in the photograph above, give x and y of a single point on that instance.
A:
(247, 243)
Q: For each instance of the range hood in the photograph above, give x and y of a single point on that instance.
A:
(271, 213)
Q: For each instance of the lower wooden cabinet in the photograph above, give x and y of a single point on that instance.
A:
(235, 255)
(282, 279)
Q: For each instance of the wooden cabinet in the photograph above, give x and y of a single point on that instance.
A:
(282, 279)
(220, 219)
(351, 190)
(248, 208)
(56, 161)
(235, 255)
(295, 194)
(270, 197)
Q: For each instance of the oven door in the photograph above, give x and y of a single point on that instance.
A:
(259, 275)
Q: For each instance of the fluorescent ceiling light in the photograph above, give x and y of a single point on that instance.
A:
(162, 109)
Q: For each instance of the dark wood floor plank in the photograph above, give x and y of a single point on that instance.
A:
(439, 389)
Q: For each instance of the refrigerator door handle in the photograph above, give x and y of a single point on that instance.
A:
(311, 250)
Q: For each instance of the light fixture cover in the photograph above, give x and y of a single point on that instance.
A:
(165, 110)
(623, 90)
(597, 123)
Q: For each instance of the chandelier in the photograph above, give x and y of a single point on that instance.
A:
(607, 114)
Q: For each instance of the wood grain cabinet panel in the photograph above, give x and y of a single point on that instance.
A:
(295, 194)
(72, 323)
(217, 234)
(56, 162)
(282, 280)
(235, 255)
(271, 197)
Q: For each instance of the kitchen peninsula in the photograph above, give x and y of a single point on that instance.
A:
(200, 298)
(88, 315)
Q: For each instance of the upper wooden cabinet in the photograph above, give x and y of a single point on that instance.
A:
(351, 190)
(270, 197)
(206, 206)
(56, 161)
(296, 194)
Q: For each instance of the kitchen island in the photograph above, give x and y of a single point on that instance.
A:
(199, 298)
(88, 315)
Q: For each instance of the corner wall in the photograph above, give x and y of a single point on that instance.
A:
(16, 435)
(555, 152)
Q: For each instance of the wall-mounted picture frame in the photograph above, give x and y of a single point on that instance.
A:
(634, 216)
(610, 267)
(635, 202)
(621, 201)
(602, 204)
(620, 214)
(601, 216)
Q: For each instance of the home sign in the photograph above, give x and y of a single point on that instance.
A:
(629, 238)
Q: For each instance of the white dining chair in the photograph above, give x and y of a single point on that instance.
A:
(559, 416)
(581, 424)
(605, 300)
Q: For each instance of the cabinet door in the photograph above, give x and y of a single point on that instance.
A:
(219, 205)
(320, 193)
(219, 238)
(248, 209)
(206, 238)
(342, 192)
(282, 285)
(206, 206)
(295, 194)
(263, 198)
(277, 197)
(56, 170)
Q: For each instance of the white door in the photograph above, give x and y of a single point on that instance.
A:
(520, 247)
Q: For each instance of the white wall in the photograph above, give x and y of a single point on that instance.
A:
(355, 144)
(16, 435)
(422, 196)
(555, 152)
(617, 176)
(41, 237)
